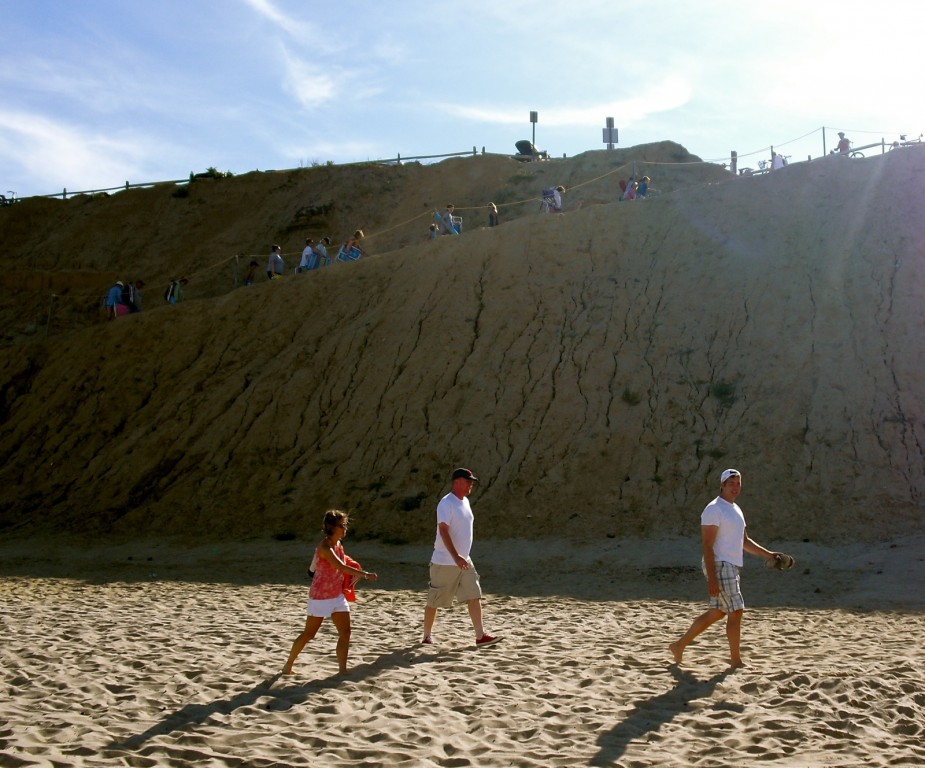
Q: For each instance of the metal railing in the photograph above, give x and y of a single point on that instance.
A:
(397, 160)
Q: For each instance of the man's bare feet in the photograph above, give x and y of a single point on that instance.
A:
(677, 650)
(737, 664)
(286, 671)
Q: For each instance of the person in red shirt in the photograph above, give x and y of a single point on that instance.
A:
(327, 597)
(843, 146)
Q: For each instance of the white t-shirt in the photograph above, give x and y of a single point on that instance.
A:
(457, 514)
(731, 523)
(306, 252)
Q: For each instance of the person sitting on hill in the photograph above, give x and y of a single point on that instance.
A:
(629, 191)
(642, 189)
(552, 199)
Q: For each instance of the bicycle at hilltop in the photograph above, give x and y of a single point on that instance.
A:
(767, 165)
(904, 142)
(900, 144)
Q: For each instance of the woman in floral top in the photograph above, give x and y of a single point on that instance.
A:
(326, 596)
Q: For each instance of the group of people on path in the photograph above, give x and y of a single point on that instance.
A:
(448, 223)
(633, 189)
(453, 576)
(314, 255)
(124, 298)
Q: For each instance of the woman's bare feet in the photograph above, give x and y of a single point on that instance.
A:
(677, 650)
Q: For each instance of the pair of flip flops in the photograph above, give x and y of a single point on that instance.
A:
(780, 562)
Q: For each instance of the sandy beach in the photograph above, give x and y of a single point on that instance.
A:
(153, 654)
(597, 369)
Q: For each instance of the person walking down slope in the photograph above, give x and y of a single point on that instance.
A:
(174, 291)
(113, 301)
(351, 249)
(132, 293)
(251, 273)
(309, 259)
(321, 248)
(447, 225)
(275, 264)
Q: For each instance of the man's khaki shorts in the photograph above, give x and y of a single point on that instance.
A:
(449, 581)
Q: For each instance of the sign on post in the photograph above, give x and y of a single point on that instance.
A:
(611, 134)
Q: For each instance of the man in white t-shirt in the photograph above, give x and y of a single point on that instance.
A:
(723, 540)
(452, 573)
(309, 259)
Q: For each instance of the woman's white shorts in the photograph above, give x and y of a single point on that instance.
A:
(324, 608)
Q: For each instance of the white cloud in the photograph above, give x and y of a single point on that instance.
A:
(52, 155)
(271, 13)
(669, 94)
(308, 83)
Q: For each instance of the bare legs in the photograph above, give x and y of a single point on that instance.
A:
(341, 621)
(734, 633)
(430, 615)
(475, 614)
(705, 620)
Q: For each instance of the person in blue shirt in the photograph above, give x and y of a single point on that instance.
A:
(113, 301)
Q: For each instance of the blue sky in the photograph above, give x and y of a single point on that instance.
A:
(94, 93)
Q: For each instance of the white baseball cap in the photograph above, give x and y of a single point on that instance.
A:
(727, 473)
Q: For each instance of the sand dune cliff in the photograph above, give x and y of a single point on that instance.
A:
(596, 369)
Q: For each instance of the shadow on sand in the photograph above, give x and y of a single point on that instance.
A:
(651, 714)
(277, 699)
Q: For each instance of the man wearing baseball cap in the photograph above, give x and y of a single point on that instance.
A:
(452, 573)
(723, 540)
